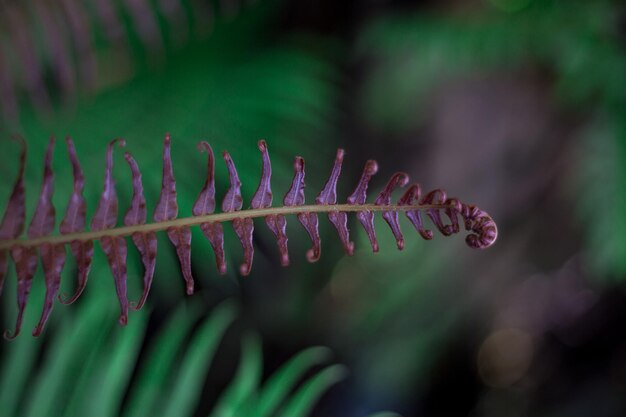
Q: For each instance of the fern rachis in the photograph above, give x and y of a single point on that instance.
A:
(112, 240)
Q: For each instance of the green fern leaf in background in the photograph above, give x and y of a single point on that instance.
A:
(178, 364)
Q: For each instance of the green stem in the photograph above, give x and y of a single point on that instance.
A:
(209, 218)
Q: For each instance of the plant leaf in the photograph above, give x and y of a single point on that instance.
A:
(56, 379)
(384, 198)
(275, 390)
(14, 215)
(115, 369)
(146, 243)
(295, 197)
(263, 199)
(412, 195)
(244, 227)
(18, 361)
(25, 259)
(244, 384)
(113, 246)
(187, 384)
(167, 209)
(205, 204)
(328, 195)
(74, 221)
(359, 196)
(159, 363)
(301, 403)
(52, 256)
(263, 196)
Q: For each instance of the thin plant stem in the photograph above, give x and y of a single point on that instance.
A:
(211, 218)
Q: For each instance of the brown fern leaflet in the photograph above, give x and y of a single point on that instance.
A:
(444, 213)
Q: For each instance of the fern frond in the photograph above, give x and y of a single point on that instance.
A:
(51, 248)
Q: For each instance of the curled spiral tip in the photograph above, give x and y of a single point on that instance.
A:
(123, 320)
(204, 146)
(484, 228)
(262, 145)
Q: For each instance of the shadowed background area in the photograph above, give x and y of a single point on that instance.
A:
(518, 106)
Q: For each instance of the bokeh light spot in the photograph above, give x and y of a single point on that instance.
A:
(504, 357)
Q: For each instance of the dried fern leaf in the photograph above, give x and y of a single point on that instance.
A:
(399, 179)
(15, 213)
(146, 243)
(243, 226)
(52, 255)
(435, 204)
(358, 197)
(205, 204)
(73, 222)
(114, 247)
(167, 209)
(328, 196)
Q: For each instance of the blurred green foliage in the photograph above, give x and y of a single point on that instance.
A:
(177, 362)
(576, 43)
